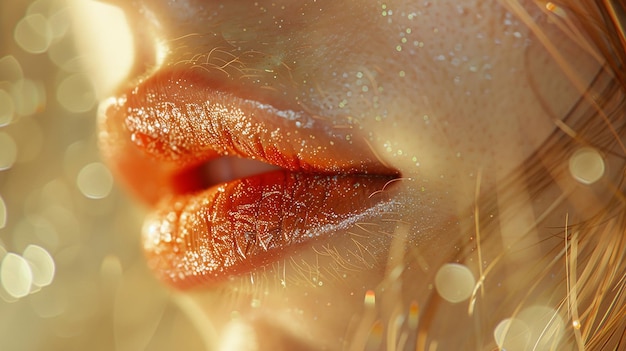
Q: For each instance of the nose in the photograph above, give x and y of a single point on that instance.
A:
(117, 42)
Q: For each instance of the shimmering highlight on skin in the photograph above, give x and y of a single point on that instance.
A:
(238, 226)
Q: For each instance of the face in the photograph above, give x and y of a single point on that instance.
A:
(311, 165)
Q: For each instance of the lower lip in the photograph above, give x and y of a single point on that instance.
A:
(238, 226)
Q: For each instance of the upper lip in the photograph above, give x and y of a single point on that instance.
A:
(156, 134)
(176, 120)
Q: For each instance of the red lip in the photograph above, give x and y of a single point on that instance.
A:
(158, 134)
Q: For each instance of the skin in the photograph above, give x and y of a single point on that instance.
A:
(463, 96)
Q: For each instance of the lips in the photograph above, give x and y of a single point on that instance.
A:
(165, 138)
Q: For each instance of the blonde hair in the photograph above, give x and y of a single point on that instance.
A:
(580, 272)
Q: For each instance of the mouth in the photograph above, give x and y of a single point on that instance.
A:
(235, 183)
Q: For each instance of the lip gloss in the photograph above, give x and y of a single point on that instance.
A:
(178, 117)
(234, 227)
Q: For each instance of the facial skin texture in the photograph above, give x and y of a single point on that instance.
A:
(447, 93)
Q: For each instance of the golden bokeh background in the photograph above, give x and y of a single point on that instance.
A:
(71, 272)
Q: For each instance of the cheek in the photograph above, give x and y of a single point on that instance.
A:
(437, 88)
(445, 91)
